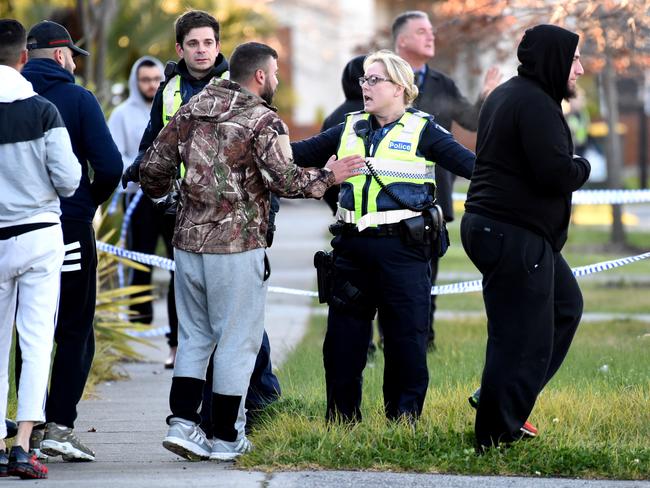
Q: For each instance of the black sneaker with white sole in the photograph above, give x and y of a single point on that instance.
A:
(59, 440)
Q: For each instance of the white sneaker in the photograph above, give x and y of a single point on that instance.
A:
(227, 451)
(186, 439)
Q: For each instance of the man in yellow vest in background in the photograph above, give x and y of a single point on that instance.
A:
(197, 46)
(578, 120)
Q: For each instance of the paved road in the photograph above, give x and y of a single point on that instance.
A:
(124, 421)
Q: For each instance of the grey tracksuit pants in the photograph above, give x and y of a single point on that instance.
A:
(220, 302)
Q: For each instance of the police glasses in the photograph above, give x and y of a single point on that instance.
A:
(372, 80)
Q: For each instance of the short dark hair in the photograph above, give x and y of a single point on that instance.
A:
(401, 20)
(145, 63)
(248, 58)
(193, 19)
(13, 40)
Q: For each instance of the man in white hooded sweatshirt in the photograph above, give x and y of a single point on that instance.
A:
(37, 166)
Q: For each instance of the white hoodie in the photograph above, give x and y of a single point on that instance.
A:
(36, 159)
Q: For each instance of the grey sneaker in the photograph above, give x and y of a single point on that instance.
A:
(227, 451)
(187, 440)
(59, 440)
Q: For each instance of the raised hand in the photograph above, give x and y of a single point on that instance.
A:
(491, 81)
(345, 167)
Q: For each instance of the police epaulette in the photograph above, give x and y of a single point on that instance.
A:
(420, 113)
(355, 112)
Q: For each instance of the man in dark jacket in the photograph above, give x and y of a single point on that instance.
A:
(50, 70)
(517, 216)
(439, 96)
(197, 45)
(353, 102)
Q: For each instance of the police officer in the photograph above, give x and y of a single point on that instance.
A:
(384, 238)
(197, 46)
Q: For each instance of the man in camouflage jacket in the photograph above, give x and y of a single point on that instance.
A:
(236, 151)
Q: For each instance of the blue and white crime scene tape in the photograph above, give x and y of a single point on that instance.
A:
(452, 288)
(597, 197)
(475, 285)
(582, 197)
(126, 222)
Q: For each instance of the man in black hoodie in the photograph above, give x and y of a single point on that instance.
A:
(517, 216)
(353, 102)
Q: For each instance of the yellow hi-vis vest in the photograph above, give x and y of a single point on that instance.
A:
(395, 161)
(172, 101)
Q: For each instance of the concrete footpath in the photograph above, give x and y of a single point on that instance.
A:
(124, 422)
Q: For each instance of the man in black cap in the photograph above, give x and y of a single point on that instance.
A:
(517, 217)
(50, 70)
(47, 35)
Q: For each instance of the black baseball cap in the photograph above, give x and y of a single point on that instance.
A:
(48, 34)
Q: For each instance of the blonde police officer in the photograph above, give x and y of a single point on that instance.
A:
(382, 240)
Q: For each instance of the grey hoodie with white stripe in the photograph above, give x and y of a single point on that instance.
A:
(37, 164)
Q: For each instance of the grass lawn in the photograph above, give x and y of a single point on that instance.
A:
(592, 422)
(593, 418)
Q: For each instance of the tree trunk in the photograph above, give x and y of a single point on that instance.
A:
(104, 15)
(84, 21)
(643, 148)
(613, 149)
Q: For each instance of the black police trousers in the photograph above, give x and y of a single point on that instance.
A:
(393, 279)
(533, 306)
(147, 224)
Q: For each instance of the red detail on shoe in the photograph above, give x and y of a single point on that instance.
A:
(29, 469)
(529, 429)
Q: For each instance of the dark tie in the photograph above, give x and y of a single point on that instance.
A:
(419, 78)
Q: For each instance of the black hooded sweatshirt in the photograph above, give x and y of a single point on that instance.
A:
(525, 169)
(352, 90)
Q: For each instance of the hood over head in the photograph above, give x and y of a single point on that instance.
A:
(134, 93)
(350, 78)
(546, 54)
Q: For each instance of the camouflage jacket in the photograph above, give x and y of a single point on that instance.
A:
(236, 151)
